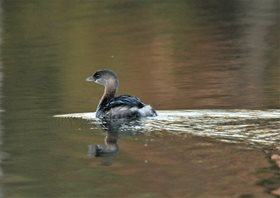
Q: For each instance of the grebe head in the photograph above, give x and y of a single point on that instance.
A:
(104, 77)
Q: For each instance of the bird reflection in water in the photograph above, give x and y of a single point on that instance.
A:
(113, 128)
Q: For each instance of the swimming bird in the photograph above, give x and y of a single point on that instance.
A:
(124, 106)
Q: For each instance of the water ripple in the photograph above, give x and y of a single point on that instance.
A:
(258, 127)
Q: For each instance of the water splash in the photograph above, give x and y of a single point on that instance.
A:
(258, 127)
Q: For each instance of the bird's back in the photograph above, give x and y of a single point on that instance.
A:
(125, 106)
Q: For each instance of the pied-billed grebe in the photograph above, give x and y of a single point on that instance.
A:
(111, 106)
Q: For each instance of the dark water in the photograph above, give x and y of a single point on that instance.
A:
(174, 55)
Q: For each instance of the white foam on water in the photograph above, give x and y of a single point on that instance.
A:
(250, 126)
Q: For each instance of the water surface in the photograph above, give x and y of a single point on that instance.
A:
(211, 68)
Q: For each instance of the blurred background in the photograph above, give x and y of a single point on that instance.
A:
(176, 54)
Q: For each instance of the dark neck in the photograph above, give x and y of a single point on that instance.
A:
(109, 93)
